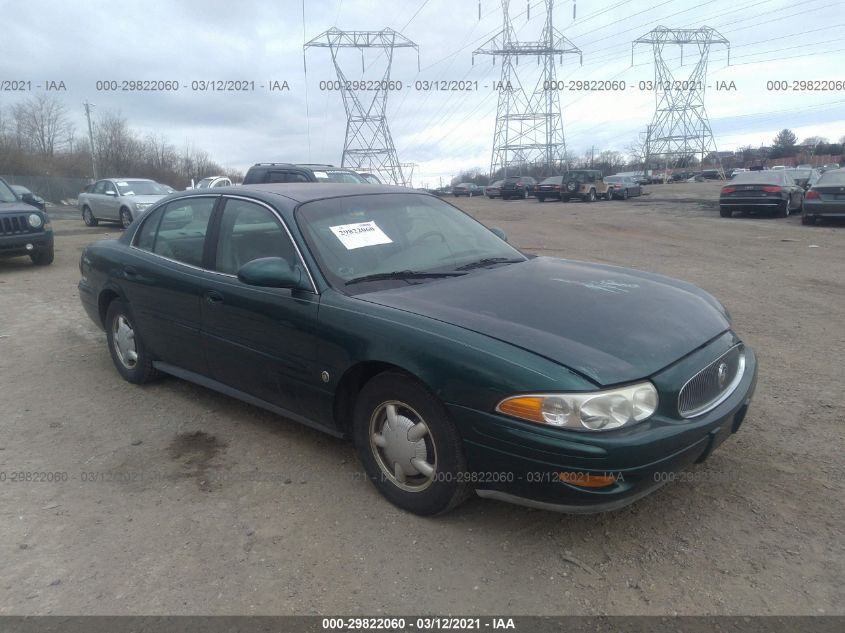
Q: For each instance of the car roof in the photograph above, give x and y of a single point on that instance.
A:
(308, 191)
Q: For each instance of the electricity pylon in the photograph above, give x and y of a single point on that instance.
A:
(408, 172)
(680, 128)
(368, 145)
(529, 125)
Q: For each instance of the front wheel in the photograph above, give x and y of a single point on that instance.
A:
(409, 447)
(125, 218)
(128, 352)
(43, 258)
(625, 194)
(88, 217)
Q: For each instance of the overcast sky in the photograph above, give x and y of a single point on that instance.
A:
(261, 41)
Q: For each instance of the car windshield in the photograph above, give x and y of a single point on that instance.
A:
(6, 193)
(204, 183)
(140, 188)
(832, 178)
(552, 180)
(338, 175)
(759, 177)
(403, 235)
(798, 173)
(498, 183)
(614, 179)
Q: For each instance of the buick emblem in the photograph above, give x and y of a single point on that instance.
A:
(722, 375)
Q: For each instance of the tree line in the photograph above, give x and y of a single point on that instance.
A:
(38, 138)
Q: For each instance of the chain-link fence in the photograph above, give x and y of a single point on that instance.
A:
(52, 188)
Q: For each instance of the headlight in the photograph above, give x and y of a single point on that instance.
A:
(140, 206)
(586, 411)
(34, 220)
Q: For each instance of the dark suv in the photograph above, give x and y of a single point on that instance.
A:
(24, 229)
(288, 172)
(518, 187)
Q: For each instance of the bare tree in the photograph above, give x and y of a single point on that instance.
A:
(42, 121)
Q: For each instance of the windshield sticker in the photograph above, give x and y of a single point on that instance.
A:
(320, 174)
(605, 285)
(123, 184)
(358, 235)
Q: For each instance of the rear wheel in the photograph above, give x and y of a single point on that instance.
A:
(128, 352)
(88, 217)
(783, 211)
(409, 447)
(808, 220)
(590, 197)
(541, 198)
(725, 212)
(625, 193)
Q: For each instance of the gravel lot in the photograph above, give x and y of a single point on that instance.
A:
(182, 501)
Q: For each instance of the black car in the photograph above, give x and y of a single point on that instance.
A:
(288, 172)
(468, 189)
(494, 189)
(826, 198)
(25, 195)
(518, 187)
(771, 190)
(395, 319)
(24, 229)
(549, 188)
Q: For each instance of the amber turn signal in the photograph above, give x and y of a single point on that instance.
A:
(587, 480)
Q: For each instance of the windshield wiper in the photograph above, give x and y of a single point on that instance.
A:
(401, 274)
(488, 261)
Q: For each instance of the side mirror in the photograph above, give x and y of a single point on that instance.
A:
(270, 272)
(111, 193)
(28, 198)
(499, 233)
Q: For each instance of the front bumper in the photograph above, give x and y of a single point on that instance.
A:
(16, 245)
(521, 462)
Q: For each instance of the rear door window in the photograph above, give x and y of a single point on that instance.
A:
(181, 231)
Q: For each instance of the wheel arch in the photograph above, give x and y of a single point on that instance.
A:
(353, 381)
(104, 300)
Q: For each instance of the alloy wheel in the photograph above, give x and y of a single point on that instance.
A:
(124, 342)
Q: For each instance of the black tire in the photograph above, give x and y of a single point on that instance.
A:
(783, 212)
(142, 370)
(564, 198)
(441, 492)
(125, 218)
(506, 197)
(610, 194)
(43, 257)
(590, 197)
(725, 212)
(456, 195)
(88, 217)
(625, 193)
(541, 198)
(808, 220)
(525, 194)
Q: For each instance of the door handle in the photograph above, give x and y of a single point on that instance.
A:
(130, 271)
(212, 296)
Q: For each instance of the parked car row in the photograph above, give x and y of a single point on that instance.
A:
(814, 193)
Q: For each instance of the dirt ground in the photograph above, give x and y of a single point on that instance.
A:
(171, 499)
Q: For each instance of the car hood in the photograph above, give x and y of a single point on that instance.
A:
(610, 324)
(16, 207)
(148, 199)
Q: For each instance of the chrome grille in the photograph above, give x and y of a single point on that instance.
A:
(13, 224)
(713, 384)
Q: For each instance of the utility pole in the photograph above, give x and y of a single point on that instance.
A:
(680, 127)
(88, 107)
(529, 125)
(368, 145)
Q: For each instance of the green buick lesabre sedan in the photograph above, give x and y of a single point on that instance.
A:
(454, 362)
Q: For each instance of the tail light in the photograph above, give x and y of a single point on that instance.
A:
(728, 189)
(772, 189)
(812, 195)
(557, 187)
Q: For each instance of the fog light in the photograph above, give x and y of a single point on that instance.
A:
(29, 247)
